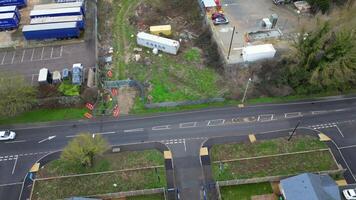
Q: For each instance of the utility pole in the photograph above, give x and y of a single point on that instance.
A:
(232, 38)
(244, 97)
(295, 128)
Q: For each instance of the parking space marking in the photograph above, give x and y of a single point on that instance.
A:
(293, 115)
(188, 125)
(3, 58)
(60, 54)
(13, 57)
(159, 128)
(23, 54)
(265, 117)
(33, 51)
(42, 53)
(216, 122)
(51, 52)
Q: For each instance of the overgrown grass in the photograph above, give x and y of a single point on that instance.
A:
(107, 162)
(147, 197)
(99, 184)
(192, 55)
(68, 89)
(265, 147)
(45, 115)
(245, 192)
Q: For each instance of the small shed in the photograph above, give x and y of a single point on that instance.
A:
(161, 29)
(56, 76)
(310, 186)
(209, 3)
(44, 76)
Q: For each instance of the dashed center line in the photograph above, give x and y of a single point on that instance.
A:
(159, 128)
(133, 130)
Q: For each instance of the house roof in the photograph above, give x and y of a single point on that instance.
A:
(310, 186)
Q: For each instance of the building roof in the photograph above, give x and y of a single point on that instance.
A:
(310, 186)
(209, 3)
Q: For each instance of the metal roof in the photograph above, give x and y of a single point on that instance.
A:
(162, 40)
(37, 27)
(43, 20)
(209, 3)
(57, 5)
(54, 11)
(7, 8)
(7, 15)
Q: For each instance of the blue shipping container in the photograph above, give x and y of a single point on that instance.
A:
(10, 9)
(19, 3)
(8, 21)
(56, 12)
(51, 31)
(47, 20)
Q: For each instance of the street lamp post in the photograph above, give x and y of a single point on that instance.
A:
(244, 97)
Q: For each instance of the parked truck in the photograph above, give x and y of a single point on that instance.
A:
(56, 12)
(258, 52)
(51, 31)
(47, 20)
(10, 9)
(59, 6)
(157, 42)
(19, 3)
(8, 21)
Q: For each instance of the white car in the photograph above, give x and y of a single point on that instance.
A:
(7, 135)
(350, 194)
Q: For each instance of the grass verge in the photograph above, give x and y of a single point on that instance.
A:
(46, 115)
(245, 192)
(147, 197)
(60, 188)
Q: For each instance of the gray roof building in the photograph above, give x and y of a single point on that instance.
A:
(310, 186)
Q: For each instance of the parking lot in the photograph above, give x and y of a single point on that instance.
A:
(246, 16)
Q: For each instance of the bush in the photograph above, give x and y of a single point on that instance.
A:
(68, 89)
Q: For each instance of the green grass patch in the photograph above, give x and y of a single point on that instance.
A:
(245, 192)
(275, 166)
(46, 115)
(265, 147)
(99, 184)
(107, 162)
(69, 89)
(147, 197)
(192, 55)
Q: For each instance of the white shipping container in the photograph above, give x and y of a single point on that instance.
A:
(160, 43)
(43, 75)
(57, 5)
(258, 52)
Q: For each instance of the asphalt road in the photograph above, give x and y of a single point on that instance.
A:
(183, 133)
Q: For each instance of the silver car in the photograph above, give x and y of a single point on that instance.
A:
(7, 135)
(349, 194)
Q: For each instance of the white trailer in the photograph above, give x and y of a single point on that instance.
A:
(157, 42)
(258, 52)
(58, 5)
(44, 77)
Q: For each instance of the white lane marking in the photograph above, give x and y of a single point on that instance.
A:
(337, 127)
(185, 146)
(33, 51)
(9, 184)
(158, 128)
(347, 147)
(343, 158)
(49, 138)
(236, 120)
(265, 117)
(188, 125)
(42, 53)
(133, 130)
(13, 169)
(293, 115)
(16, 141)
(105, 133)
(60, 54)
(216, 122)
(51, 52)
(13, 57)
(318, 112)
(23, 55)
(3, 58)
(71, 136)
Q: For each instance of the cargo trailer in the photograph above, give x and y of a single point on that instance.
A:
(59, 6)
(44, 77)
(51, 31)
(8, 21)
(56, 12)
(157, 42)
(19, 3)
(258, 52)
(68, 1)
(47, 20)
(10, 9)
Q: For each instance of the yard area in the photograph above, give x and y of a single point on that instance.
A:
(111, 173)
(270, 158)
(245, 192)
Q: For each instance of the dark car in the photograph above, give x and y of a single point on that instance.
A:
(220, 20)
(216, 15)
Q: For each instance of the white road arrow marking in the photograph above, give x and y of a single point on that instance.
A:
(49, 138)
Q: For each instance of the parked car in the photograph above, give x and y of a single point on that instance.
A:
(216, 15)
(349, 194)
(220, 20)
(279, 2)
(7, 135)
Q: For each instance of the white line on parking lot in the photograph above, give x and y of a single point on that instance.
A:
(13, 168)
(16, 141)
(158, 128)
(60, 54)
(3, 58)
(347, 147)
(51, 52)
(133, 130)
(33, 51)
(42, 53)
(13, 57)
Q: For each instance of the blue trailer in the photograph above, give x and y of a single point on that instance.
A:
(19, 3)
(60, 5)
(56, 12)
(8, 21)
(51, 31)
(46, 20)
(10, 9)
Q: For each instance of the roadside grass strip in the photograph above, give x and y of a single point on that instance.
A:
(265, 147)
(99, 183)
(275, 165)
(245, 192)
(147, 197)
